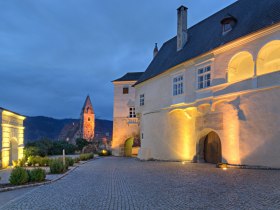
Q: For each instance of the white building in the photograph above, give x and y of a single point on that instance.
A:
(126, 124)
(212, 92)
(11, 137)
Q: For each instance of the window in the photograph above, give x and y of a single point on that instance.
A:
(132, 113)
(89, 119)
(178, 85)
(142, 100)
(125, 90)
(228, 23)
(226, 27)
(204, 77)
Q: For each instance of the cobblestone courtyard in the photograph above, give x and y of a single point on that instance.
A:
(120, 183)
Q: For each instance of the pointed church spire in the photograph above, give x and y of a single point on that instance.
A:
(87, 121)
(87, 108)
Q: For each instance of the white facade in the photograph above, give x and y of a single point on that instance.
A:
(241, 105)
(125, 122)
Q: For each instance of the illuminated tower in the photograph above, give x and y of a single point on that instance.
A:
(87, 121)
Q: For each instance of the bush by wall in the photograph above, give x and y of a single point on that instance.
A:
(77, 159)
(19, 176)
(38, 161)
(46, 147)
(84, 157)
(37, 175)
(69, 161)
(57, 167)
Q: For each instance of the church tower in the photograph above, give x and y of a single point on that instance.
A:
(87, 121)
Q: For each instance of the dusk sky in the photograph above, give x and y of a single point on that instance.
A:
(53, 53)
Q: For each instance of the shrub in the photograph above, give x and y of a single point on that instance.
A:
(46, 147)
(87, 156)
(58, 146)
(38, 161)
(44, 161)
(77, 159)
(37, 175)
(19, 176)
(21, 162)
(57, 167)
(81, 143)
(69, 161)
(31, 151)
(15, 163)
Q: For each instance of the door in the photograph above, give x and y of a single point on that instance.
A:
(212, 148)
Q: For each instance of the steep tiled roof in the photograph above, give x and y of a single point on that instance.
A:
(131, 76)
(251, 16)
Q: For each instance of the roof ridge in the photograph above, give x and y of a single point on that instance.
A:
(200, 22)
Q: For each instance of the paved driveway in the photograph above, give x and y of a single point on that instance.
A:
(120, 183)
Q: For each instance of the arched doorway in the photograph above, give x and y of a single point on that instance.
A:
(128, 147)
(13, 150)
(212, 148)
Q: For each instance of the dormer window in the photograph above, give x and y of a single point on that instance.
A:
(226, 27)
(228, 23)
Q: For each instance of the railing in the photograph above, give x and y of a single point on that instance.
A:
(132, 121)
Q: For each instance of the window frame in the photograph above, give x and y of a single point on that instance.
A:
(125, 88)
(225, 29)
(204, 74)
(142, 99)
(178, 85)
(132, 112)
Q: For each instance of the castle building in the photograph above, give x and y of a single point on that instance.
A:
(87, 121)
(211, 93)
(11, 136)
(125, 122)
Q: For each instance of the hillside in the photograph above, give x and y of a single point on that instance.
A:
(46, 127)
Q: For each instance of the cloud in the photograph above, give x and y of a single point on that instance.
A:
(53, 54)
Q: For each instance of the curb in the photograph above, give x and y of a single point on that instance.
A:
(253, 167)
(46, 182)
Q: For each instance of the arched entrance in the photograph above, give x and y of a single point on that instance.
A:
(13, 151)
(128, 147)
(212, 148)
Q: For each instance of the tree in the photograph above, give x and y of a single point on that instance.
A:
(81, 143)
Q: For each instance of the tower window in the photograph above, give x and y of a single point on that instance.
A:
(89, 119)
(132, 113)
(125, 90)
(142, 100)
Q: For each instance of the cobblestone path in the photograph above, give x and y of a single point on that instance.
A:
(120, 183)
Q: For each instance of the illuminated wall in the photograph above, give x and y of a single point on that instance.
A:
(12, 137)
(269, 58)
(241, 67)
(259, 132)
(241, 106)
(123, 126)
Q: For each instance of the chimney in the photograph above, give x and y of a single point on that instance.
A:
(155, 50)
(182, 31)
